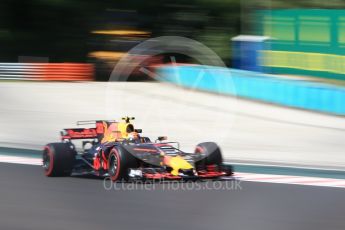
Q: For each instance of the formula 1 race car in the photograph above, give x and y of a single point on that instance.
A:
(116, 149)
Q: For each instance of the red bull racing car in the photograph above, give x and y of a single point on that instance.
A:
(116, 149)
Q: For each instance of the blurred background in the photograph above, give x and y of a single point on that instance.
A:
(101, 32)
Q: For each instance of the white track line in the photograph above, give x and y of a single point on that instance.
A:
(286, 166)
(287, 179)
(21, 160)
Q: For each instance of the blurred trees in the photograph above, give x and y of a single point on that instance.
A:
(60, 29)
(54, 29)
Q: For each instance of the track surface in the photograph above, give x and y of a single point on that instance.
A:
(29, 200)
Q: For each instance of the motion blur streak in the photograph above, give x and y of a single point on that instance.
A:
(47, 71)
(121, 32)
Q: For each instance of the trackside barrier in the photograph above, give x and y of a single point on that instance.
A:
(263, 87)
(47, 71)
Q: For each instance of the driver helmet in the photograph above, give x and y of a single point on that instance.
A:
(133, 136)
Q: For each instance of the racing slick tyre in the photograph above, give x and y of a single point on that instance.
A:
(210, 152)
(119, 162)
(58, 159)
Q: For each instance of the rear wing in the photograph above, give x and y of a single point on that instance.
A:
(104, 130)
(93, 122)
(85, 133)
(79, 133)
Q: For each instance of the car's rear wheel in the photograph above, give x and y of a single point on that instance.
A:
(119, 162)
(58, 159)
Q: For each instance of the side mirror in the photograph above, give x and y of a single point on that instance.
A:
(162, 138)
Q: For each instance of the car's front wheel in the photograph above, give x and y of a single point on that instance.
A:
(210, 153)
(119, 162)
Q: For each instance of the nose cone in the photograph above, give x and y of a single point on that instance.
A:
(177, 163)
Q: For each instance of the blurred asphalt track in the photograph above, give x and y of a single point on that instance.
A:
(32, 114)
(29, 200)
